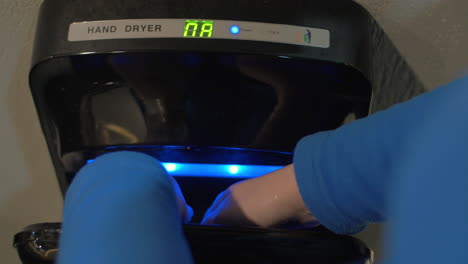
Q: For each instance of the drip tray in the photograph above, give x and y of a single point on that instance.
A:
(38, 244)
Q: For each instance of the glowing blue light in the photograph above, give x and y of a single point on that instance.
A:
(233, 169)
(234, 30)
(216, 170)
(170, 166)
(221, 170)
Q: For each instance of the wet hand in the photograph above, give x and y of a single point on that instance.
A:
(266, 201)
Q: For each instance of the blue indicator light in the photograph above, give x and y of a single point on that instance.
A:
(233, 169)
(235, 30)
(170, 166)
(216, 170)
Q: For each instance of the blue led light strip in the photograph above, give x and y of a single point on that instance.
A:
(216, 170)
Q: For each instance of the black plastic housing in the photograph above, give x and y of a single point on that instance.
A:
(81, 87)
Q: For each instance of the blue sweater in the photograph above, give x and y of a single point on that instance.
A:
(408, 164)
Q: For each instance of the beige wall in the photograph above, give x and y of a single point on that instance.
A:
(432, 34)
(28, 190)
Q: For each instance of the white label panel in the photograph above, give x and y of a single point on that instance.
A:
(221, 29)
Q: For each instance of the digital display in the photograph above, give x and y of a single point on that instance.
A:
(204, 28)
(198, 29)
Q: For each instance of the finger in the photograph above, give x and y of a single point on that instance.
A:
(185, 210)
(215, 204)
(207, 219)
(228, 212)
(213, 214)
(189, 214)
(213, 209)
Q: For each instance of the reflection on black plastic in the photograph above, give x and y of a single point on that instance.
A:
(256, 102)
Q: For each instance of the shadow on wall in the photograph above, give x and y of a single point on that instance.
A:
(430, 34)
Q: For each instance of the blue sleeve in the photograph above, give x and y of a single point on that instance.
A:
(122, 209)
(413, 154)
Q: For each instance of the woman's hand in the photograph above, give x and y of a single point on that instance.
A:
(265, 201)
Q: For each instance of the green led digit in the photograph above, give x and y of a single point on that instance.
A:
(191, 27)
(206, 29)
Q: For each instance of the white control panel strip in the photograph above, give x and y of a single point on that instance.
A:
(199, 28)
